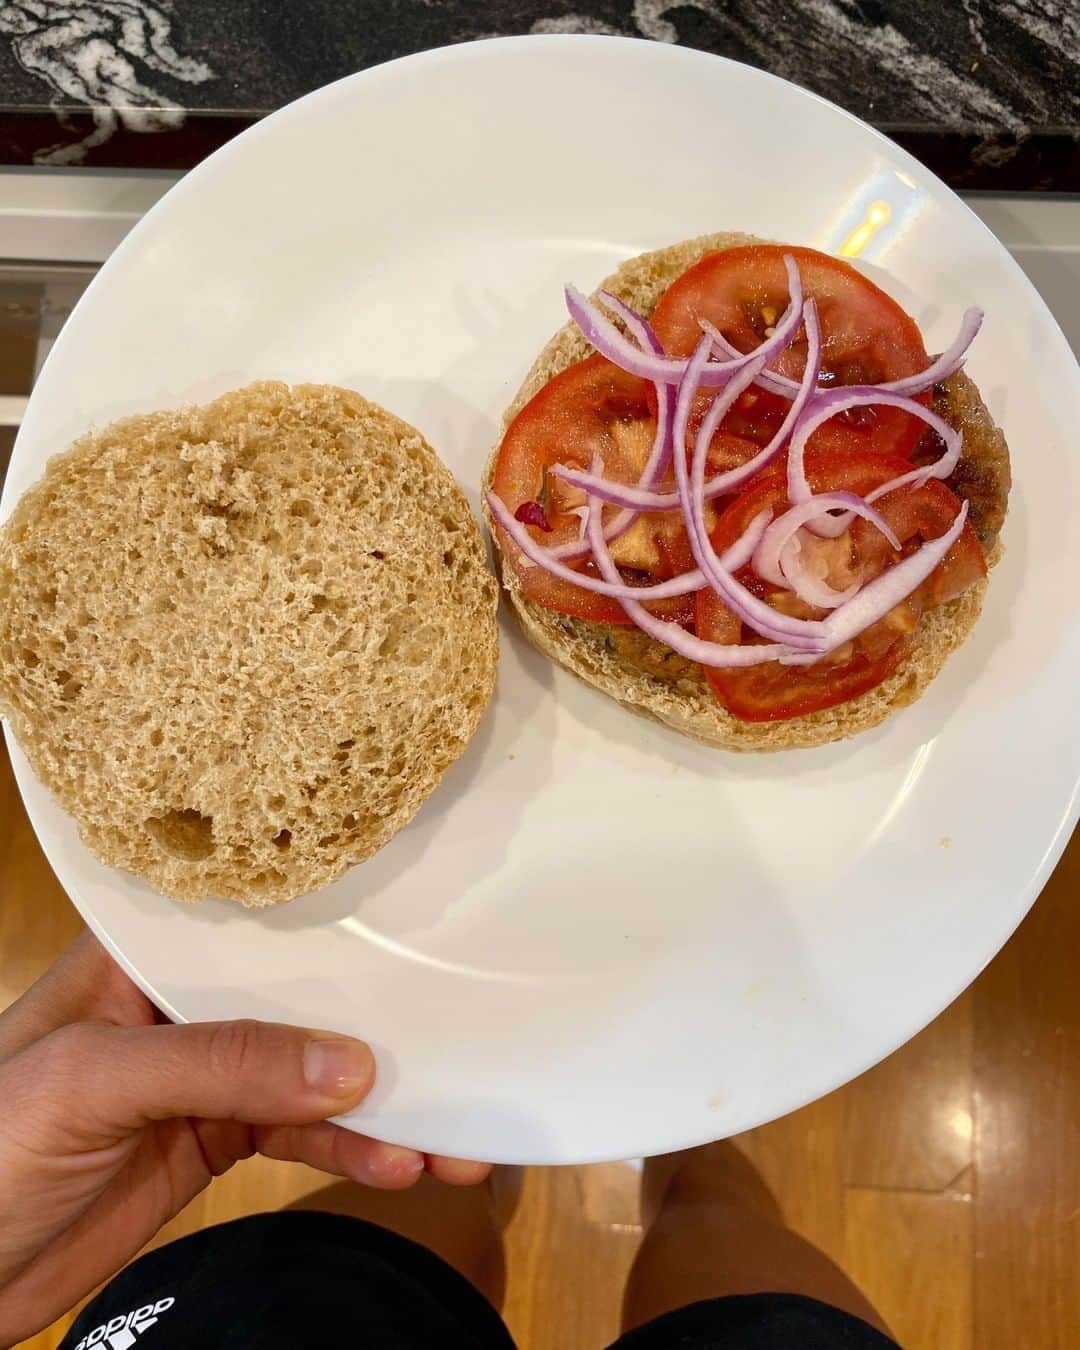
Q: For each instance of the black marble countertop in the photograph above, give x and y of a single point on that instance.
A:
(986, 92)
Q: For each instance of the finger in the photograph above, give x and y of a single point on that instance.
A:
(343, 1153)
(221, 1143)
(457, 1171)
(92, 1082)
(83, 985)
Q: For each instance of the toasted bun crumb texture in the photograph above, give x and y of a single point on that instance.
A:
(242, 642)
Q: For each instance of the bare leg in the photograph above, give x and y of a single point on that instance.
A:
(460, 1224)
(713, 1228)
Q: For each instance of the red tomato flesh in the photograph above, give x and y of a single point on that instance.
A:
(866, 339)
(592, 407)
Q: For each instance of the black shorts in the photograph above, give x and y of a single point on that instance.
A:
(302, 1279)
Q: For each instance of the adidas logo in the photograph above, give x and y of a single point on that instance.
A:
(119, 1333)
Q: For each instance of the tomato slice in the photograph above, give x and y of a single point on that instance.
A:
(590, 408)
(866, 339)
(772, 692)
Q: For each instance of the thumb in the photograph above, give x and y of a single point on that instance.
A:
(105, 1080)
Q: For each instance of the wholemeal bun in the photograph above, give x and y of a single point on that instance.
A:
(686, 703)
(242, 642)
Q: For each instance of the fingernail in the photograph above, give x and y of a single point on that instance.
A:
(337, 1067)
(400, 1162)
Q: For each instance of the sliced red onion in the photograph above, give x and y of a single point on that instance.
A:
(808, 587)
(774, 546)
(872, 603)
(885, 592)
(631, 496)
(742, 550)
(948, 363)
(735, 478)
(660, 454)
(639, 498)
(768, 379)
(738, 555)
(598, 330)
(637, 325)
(532, 513)
(770, 623)
(767, 554)
(548, 559)
(833, 402)
(715, 654)
(942, 467)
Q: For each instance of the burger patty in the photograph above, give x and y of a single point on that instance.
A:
(983, 476)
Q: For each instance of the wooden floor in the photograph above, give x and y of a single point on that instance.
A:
(946, 1181)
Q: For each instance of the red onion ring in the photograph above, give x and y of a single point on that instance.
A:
(660, 454)
(779, 556)
(715, 654)
(630, 496)
(948, 363)
(808, 587)
(942, 467)
(835, 401)
(767, 554)
(637, 325)
(884, 593)
(734, 478)
(738, 555)
(742, 550)
(642, 499)
(831, 527)
(598, 330)
(762, 618)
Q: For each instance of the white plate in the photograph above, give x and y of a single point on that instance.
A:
(598, 939)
